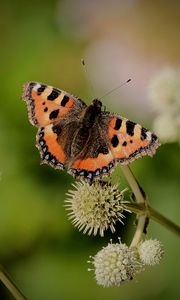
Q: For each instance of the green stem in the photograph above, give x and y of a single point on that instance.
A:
(133, 184)
(10, 285)
(153, 214)
(140, 200)
(143, 210)
(156, 216)
(134, 207)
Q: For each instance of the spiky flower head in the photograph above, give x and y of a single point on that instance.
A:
(115, 264)
(95, 208)
(151, 252)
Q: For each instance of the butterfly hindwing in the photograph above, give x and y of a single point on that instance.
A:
(96, 158)
(50, 150)
(92, 167)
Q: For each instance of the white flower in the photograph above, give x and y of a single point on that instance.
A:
(151, 252)
(164, 90)
(166, 128)
(115, 264)
(95, 207)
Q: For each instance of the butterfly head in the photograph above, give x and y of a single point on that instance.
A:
(97, 104)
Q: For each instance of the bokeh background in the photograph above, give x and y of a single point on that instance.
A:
(44, 41)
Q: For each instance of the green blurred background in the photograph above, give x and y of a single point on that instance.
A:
(44, 41)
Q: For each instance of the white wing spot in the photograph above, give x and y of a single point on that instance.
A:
(148, 135)
(38, 85)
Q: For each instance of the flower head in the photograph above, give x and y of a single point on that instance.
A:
(166, 127)
(151, 252)
(164, 93)
(164, 90)
(95, 207)
(115, 264)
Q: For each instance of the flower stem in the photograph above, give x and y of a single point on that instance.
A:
(10, 285)
(156, 216)
(133, 184)
(153, 214)
(143, 210)
(140, 200)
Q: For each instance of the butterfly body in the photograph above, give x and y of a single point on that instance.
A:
(83, 139)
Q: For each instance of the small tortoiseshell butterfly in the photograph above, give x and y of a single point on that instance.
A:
(84, 139)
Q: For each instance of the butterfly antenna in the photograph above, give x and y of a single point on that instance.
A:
(91, 88)
(116, 88)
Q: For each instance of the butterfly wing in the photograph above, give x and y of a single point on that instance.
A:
(129, 141)
(47, 104)
(116, 140)
(48, 107)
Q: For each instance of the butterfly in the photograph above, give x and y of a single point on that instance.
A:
(85, 140)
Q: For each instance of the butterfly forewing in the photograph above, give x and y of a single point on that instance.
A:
(129, 140)
(47, 104)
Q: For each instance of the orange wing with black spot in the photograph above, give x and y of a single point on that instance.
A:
(121, 141)
(48, 106)
(129, 141)
(51, 151)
